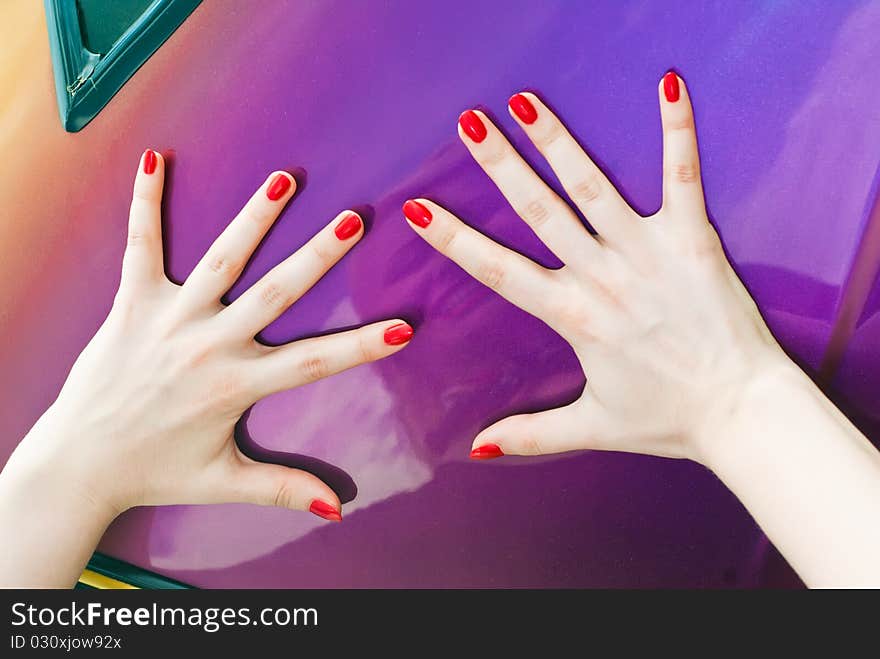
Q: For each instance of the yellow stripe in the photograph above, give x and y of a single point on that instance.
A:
(97, 580)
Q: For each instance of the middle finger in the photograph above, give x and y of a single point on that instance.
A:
(552, 220)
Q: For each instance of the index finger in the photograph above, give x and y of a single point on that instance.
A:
(682, 185)
(516, 278)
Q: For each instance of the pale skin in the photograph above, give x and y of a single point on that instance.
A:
(147, 414)
(678, 361)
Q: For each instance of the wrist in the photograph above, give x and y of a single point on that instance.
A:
(735, 419)
(48, 467)
(55, 517)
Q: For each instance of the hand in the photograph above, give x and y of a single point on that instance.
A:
(667, 335)
(148, 411)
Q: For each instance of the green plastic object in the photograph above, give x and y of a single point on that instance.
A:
(124, 36)
(103, 22)
(130, 574)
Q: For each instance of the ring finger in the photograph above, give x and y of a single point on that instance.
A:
(289, 280)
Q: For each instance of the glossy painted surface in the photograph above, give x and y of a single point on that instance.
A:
(857, 384)
(361, 100)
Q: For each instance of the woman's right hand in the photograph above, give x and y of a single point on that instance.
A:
(678, 359)
(667, 335)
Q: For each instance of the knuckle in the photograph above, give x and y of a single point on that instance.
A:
(609, 291)
(536, 213)
(685, 122)
(285, 496)
(366, 351)
(320, 252)
(531, 445)
(199, 355)
(707, 248)
(445, 240)
(124, 307)
(586, 190)
(314, 368)
(551, 136)
(137, 237)
(272, 295)
(226, 391)
(142, 194)
(222, 265)
(576, 321)
(572, 319)
(261, 215)
(497, 157)
(492, 274)
(683, 173)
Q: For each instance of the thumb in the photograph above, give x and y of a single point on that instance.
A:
(275, 485)
(552, 431)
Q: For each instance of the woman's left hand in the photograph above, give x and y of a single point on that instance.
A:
(148, 412)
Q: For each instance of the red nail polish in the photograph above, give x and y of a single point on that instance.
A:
(149, 161)
(278, 187)
(325, 510)
(417, 213)
(486, 452)
(472, 125)
(670, 87)
(522, 107)
(349, 226)
(398, 334)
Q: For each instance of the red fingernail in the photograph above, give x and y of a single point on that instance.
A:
(349, 226)
(149, 161)
(325, 510)
(398, 334)
(670, 87)
(278, 187)
(472, 125)
(522, 107)
(417, 213)
(486, 452)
